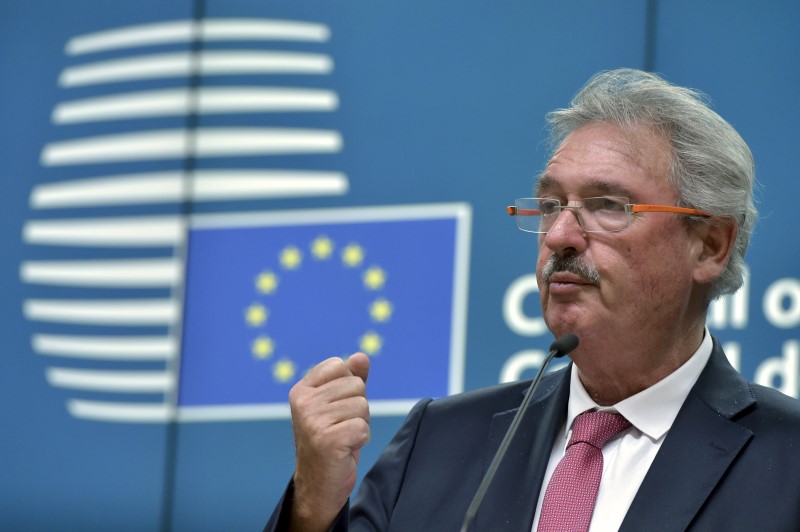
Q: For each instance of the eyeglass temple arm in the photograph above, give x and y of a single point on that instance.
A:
(665, 208)
(516, 211)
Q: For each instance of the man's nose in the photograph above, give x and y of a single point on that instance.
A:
(566, 233)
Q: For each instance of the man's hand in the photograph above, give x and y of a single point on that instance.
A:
(330, 419)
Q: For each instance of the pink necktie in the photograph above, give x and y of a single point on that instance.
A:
(569, 500)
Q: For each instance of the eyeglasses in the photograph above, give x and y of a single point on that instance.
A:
(606, 214)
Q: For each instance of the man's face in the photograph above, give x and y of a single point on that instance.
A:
(643, 274)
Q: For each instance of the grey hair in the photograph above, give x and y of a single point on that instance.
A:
(711, 167)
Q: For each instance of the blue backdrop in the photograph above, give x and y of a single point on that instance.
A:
(193, 214)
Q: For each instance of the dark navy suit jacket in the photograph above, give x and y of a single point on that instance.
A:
(730, 462)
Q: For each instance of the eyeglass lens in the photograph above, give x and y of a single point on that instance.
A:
(595, 215)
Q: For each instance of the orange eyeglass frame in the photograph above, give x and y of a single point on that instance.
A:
(633, 208)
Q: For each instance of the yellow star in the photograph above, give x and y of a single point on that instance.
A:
(291, 257)
(284, 370)
(322, 247)
(256, 314)
(263, 347)
(380, 310)
(374, 278)
(353, 255)
(371, 343)
(266, 282)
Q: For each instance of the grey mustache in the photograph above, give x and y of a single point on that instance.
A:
(573, 264)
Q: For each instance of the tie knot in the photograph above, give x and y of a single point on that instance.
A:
(596, 428)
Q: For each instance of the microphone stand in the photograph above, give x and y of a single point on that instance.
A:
(559, 348)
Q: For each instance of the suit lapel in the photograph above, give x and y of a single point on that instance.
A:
(700, 447)
(511, 499)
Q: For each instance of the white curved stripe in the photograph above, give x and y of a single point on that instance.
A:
(399, 407)
(130, 36)
(234, 412)
(159, 412)
(152, 187)
(121, 106)
(120, 412)
(268, 184)
(185, 30)
(155, 231)
(150, 145)
(263, 29)
(110, 381)
(216, 142)
(129, 273)
(175, 102)
(206, 185)
(248, 99)
(106, 347)
(178, 143)
(206, 63)
(125, 312)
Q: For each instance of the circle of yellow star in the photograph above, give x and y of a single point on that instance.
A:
(371, 343)
(267, 282)
(353, 255)
(263, 347)
(284, 370)
(380, 310)
(322, 247)
(291, 257)
(256, 314)
(374, 278)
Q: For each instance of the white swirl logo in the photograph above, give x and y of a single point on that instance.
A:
(109, 295)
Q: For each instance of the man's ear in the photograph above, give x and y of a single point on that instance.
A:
(715, 245)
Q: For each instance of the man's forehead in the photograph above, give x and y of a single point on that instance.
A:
(602, 155)
(548, 183)
(628, 142)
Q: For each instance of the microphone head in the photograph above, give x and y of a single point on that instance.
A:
(564, 345)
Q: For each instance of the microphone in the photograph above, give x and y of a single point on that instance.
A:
(559, 348)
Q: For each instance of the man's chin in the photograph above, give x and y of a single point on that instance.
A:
(566, 318)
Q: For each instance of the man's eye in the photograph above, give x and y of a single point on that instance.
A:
(548, 207)
(608, 204)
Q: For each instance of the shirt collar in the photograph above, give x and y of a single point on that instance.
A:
(653, 410)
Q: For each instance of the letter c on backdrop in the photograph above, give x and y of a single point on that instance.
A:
(514, 310)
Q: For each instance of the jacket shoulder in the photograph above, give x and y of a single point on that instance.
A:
(494, 399)
(774, 409)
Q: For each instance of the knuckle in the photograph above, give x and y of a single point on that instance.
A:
(362, 404)
(359, 387)
(363, 425)
(363, 430)
(323, 372)
(301, 401)
(334, 364)
(296, 393)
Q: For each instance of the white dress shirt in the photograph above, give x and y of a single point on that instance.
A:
(628, 456)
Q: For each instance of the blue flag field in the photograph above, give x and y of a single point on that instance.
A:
(270, 295)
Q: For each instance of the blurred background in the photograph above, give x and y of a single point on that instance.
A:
(201, 199)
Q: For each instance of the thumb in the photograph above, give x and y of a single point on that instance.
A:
(358, 363)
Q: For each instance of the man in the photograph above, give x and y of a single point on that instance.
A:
(643, 215)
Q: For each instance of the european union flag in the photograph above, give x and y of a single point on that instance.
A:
(270, 296)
